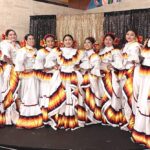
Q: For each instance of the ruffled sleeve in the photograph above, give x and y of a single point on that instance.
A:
(51, 59)
(95, 63)
(134, 54)
(20, 58)
(5, 48)
(39, 60)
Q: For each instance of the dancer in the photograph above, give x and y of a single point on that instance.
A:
(65, 101)
(91, 71)
(2, 111)
(141, 94)
(9, 48)
(131, 53)
(44, 74)
(111, 63)
(30, 115)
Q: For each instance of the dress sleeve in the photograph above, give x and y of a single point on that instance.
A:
(5, 48)
(134, 54)
(19, 63)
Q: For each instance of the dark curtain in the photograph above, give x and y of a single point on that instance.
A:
(42, 25)
(120, 22)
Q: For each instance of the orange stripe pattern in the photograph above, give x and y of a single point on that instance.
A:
(141, 138)
(14, 80)
(30, 122)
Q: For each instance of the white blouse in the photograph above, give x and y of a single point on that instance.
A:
(91, 61)
(53, 58)
(40, 59)
(25, 58)
(9, 49)
(105, 50)
(112, 56)
(132, 50)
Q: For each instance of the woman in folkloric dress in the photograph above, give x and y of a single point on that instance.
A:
(91, 71)
(141, 96)
(65, 106)
(111, 101)
(9, 48)
(130, 53)
(30, 115)
(44, 74)
(2, 112)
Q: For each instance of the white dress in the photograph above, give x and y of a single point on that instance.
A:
(10, 50)
(91, 66)
(2, 111)
(66, 101)
(111, 101)
(45, 80)
(30, 115)
(130, 53)
(141, 97)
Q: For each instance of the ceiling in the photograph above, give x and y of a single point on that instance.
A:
(57, 2)
(60, 1)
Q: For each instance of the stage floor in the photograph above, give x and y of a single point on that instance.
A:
(94, 137)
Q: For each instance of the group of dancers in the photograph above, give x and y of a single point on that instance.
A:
(68, 88)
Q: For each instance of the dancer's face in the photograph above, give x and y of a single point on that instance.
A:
(68, 42)
(50, 42)
(108, 41)
(88, 45)
(30, 41)
(12, 36)
(130, 36)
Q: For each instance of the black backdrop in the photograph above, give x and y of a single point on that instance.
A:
(41, 25)
(120, 22)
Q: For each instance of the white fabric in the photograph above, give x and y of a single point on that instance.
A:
(41, 58)
(25, 59)
(50, 59)
(9, 49)
(29, 92)
(141, 88)
(105, 50)
(133, 51)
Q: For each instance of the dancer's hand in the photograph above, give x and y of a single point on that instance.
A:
(57, 67)
(109, 66)
(8, 60)
(46, 69)
(77, 67)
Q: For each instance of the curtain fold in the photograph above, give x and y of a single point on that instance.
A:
(41, 25)
(120, 22)
(80, 26)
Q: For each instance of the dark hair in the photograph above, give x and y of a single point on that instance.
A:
(27, 35)
(110, 35)
(133, 30)
(91, 39)
(49, 35)
(9, 30)
(68, 35)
